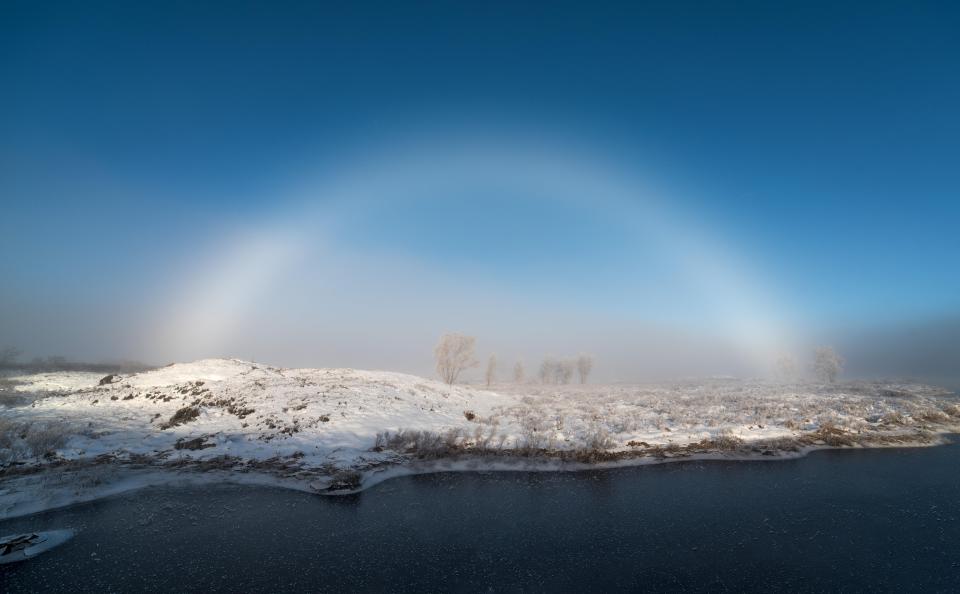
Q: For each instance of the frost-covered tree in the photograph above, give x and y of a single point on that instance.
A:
(584, 366)
(518, 372)
(564, 371)
(491, 373)
(548, 370)
(454, 354)
(827, 364)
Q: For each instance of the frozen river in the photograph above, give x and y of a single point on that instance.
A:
(866, 520)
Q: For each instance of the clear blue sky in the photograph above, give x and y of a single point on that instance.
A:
(820, 138)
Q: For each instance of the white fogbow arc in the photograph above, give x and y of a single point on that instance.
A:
(226, 283)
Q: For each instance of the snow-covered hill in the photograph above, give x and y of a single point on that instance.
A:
(246, 410)
(320, 425)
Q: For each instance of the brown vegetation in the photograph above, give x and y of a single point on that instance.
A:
(183, 415)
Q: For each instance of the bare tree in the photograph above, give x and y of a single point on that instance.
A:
(548, 370)
(454, 353)
(564, 371)
(518, 372)
(584, 366)
(491, 369)
(827, 364)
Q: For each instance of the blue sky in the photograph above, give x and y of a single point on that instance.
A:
(816, 140)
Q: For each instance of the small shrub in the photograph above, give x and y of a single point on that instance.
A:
(894, 418)
(777, 444)
(198, 443)
(727, 441)
(470, 415)
(933, 416)
(833, 436)
(422, 444)
(44, 438)
(531, 441)
(242, 412)
(183, 415)
(345, 480)
(11, 440)
(599, 439)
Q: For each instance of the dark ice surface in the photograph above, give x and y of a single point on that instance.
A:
(852, 520)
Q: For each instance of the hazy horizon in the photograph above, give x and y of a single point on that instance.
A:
(694, 192)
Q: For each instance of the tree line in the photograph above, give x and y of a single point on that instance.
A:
(455, 353)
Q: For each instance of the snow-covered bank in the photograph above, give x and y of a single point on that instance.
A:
(53, 488)
(83, 435)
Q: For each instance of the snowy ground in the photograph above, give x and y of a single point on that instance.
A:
(64, 434)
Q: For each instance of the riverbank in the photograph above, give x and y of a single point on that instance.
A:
(38, 489)
(72, 436)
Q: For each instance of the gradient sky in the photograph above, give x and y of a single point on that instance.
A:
(817, 141)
